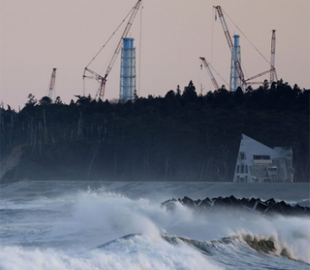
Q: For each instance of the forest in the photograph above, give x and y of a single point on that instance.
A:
(182, 136)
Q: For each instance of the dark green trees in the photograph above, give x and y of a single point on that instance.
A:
(180, 137)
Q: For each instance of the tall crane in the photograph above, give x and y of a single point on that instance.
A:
(273, 74)
(272, 70)
(103, 79)
(52, 84)
(230, 44)
(244, 81)
(205, 63)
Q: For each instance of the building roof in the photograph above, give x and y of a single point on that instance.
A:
(252, 147)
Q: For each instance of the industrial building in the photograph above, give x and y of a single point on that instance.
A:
(257, 162)
(235, 81)
(128, 70)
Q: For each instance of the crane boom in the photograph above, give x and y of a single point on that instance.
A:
(52, 83)
(230, 44)
(215, 84)
(102, 79)
(258, 75)
(224, 25)
(119, 46)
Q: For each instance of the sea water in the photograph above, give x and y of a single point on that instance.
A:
(117, 225)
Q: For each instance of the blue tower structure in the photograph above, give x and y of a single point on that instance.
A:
(235, 81)
(128, 70)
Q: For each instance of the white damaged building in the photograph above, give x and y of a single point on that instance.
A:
(257, 162)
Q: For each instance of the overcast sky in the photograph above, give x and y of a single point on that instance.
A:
(170, 36)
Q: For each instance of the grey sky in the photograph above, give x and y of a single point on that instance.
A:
(38, 35)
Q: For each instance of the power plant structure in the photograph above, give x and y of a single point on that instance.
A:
(103, 79)
(52, 84)
(273, 74)
(235, 81)
(237, 78)
(128, 61)
(128, 71)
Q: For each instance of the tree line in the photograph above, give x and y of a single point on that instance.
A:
(182, 136)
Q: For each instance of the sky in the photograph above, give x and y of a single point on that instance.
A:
(170, 36)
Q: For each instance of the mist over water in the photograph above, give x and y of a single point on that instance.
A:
(69, 226)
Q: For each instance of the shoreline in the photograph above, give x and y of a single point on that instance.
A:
(163, 190)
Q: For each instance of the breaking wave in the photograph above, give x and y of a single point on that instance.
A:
(96, 229)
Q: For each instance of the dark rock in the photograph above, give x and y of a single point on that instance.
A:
(235, 202)
(260, 206)
(275, 209)
(188, 202)
(245, 202)
(299, 210)
(252, 202)
(283, 203)
(269, 207)
(197, 202)
(270, 201)
(169, 204)
(218, 202)
(206, 203)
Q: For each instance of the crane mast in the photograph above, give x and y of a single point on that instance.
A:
(273, 73)
(230, 44)
(102, 79)
(205, 63)
(52, 83)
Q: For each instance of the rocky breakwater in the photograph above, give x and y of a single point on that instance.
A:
(245, 205)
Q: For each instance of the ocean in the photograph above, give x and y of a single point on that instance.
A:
(85, 225)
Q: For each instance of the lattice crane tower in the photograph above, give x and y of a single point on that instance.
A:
(237, 64)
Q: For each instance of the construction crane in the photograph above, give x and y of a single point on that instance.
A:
(230, 44)
(205, 63)
(103, 79)
(273, 73)
(272, 70)
(244, 81)
(52, 84)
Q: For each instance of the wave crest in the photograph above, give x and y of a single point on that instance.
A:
(269, 245)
